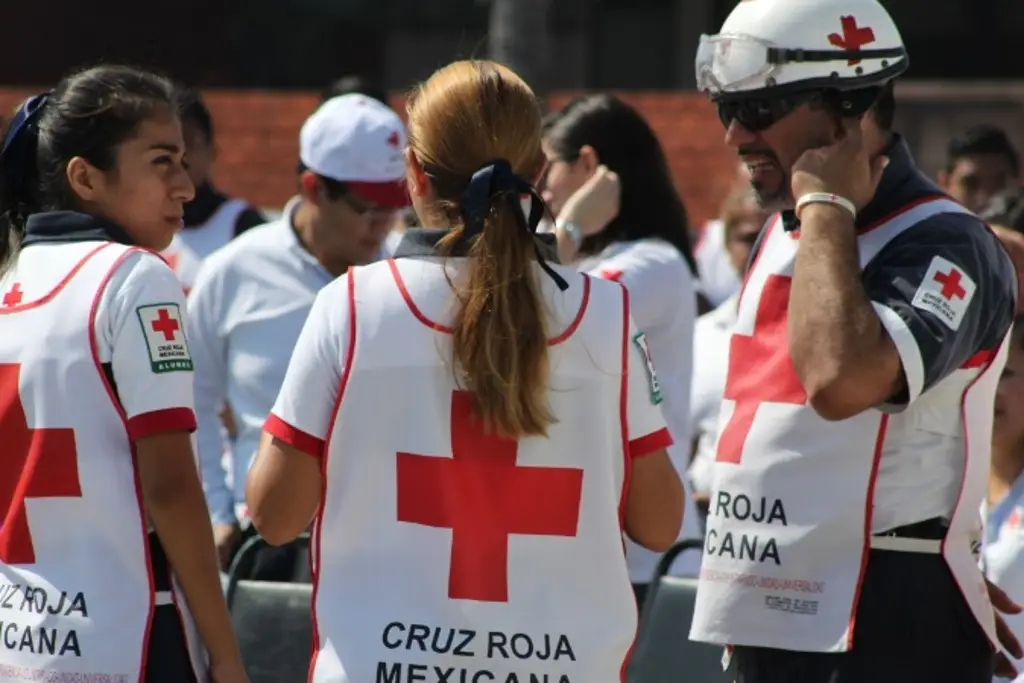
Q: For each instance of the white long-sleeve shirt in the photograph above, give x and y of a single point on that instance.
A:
(1002, 557)
(718, 278)
(663, 302)
(711, 337)
(246, 309)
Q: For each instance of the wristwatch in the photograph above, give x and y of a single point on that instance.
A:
(572, 230)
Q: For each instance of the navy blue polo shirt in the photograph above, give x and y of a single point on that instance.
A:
(424, 241)
(892, 278)
(70, 226)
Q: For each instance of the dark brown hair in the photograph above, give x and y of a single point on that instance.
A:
(89, 114)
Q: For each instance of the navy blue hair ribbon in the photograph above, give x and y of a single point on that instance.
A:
(23, 124)
(18, 158)
(490, 181)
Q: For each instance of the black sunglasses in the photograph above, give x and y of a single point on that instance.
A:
(760, 113)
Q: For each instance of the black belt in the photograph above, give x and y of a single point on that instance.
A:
(933, 529)
(161, 568)
(919, 537)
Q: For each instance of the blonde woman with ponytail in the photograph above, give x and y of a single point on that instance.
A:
(470, 427)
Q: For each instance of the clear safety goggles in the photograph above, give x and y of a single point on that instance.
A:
(737, 62)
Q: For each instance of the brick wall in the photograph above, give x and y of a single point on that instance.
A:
(257, 141)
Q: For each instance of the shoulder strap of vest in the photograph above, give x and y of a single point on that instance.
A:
(877, 236)
(761, 236)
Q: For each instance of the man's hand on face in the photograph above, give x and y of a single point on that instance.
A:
(843, 168)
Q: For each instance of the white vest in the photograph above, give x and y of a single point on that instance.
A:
(76, 596)
(183, 261)
(217, 231)
(789, 529)
(445, 552)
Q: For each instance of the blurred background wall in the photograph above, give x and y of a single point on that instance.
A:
(262, 61)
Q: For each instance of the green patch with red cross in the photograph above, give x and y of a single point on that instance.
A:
(165, 337)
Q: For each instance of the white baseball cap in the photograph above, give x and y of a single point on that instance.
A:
(358, 141)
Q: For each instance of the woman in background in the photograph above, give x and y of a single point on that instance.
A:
(620, 217)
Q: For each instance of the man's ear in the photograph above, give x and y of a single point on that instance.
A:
(589, 158)
(309, 185)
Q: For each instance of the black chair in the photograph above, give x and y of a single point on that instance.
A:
(664, 652)
(257, 559)
(274, 625)
(273, 620)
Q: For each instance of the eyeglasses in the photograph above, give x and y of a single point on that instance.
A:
(360, 208)
(760, 113)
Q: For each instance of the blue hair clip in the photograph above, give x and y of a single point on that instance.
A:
(492, 179)
(26, 115)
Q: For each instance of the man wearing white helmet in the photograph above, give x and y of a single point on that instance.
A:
(857, 413)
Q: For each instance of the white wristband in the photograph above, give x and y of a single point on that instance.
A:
(825, 198)
(572, 230)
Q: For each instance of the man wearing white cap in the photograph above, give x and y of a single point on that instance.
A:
(251, 297)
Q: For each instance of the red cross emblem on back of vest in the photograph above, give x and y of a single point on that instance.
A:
(36, 463)
(484, 497)
(853, 38)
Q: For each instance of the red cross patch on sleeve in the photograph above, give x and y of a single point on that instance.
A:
(946, 291)
(165, 337)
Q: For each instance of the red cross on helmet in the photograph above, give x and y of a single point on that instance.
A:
(780, 46)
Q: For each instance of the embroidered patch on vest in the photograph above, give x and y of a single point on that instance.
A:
(165, 338)
(640, 339)
(946, 291)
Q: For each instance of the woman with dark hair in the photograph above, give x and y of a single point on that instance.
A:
(103, 525)
(600, 149)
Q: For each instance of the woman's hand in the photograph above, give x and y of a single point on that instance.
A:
(593, 206)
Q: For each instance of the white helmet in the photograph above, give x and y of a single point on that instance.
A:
(782, 46)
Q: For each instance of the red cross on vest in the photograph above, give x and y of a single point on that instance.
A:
(950, 282)
(484, 497)
(37, 463)
(854, 37)
(165, 324)
(760, 369)
(613, 274)
(171, 259)
(14, 295)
